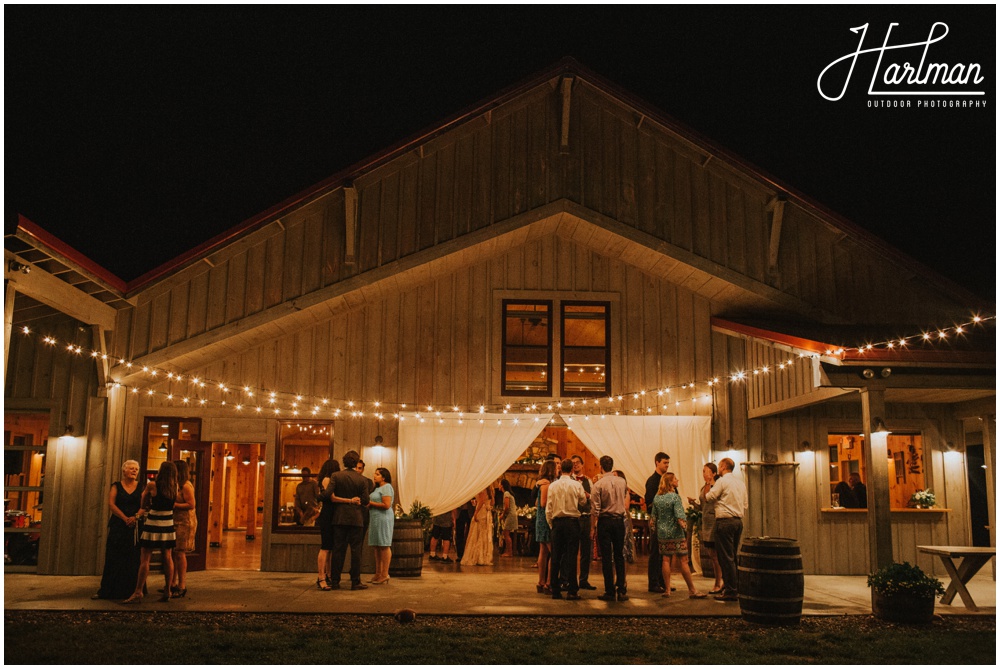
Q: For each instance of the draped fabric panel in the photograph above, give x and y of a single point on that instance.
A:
(633, 441)
(444, 465)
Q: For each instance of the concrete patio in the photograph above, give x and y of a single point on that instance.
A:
(504, 589)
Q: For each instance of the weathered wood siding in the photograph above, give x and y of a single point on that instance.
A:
(491, 169)
(786, 501)
(438, 343)
(78, 471)
(777, 384)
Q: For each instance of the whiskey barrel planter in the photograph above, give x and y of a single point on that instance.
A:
(903, 607)
(407, 548)
(771, 581)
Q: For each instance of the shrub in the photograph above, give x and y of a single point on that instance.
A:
(904, 578)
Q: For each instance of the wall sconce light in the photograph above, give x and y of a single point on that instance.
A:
(246, 460)
(261, 462)
(886, 371)
(67, 434)
(230, 456)
(15, 266)
(284, 465)
(879, 427)
(163, 447)
(805, 446)
(950, 445)
(868, 373)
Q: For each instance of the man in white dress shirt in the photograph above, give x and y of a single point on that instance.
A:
(730, 496)
(562, 509)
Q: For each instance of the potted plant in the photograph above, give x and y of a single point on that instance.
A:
(408, 540)
(923, 499)
(903, 593)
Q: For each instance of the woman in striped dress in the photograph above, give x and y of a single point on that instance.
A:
(159, 497)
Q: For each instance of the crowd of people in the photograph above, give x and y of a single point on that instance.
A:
(571, 511)
(165, 508)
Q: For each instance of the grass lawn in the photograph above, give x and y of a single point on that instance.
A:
(81, 637)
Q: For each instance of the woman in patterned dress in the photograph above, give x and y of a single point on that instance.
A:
(185, 526)
(382, 521)
(670, 521)
(159, 498)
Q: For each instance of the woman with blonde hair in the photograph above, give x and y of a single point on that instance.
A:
(185, 526)
(158, 498)
(667, 513)
(121, 553)
(479, 546)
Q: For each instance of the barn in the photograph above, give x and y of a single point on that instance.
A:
(559, 268)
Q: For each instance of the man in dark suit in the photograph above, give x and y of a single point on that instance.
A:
(586, 541)
(348, 491)
(655, 568)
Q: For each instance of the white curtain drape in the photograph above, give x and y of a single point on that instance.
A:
(633, 441)
(444, 464)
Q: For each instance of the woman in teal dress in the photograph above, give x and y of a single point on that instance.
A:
(382, 520)
(668, 514)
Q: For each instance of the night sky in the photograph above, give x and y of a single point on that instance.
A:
(135, 134)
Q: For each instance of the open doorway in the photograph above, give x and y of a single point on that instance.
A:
(228, 479)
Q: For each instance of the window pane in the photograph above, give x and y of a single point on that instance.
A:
(26, 437)
(586, 351)
(303, 449)
(527, 353)
(905, 454)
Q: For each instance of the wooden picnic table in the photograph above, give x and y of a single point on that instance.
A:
(973, 558)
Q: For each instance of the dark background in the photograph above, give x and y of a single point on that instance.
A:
(135, 134)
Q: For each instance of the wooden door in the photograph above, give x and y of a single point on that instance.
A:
(198, 455)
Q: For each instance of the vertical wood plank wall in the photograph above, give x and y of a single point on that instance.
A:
(789, 500)
(437, 343)
(483, 173)
(78, 471)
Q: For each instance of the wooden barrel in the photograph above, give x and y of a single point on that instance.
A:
(771, 582)
(407, 548)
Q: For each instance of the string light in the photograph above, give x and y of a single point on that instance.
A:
(928, 337)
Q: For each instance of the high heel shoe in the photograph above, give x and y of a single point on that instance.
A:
(165, 597)
(178, 593)
(320, 583)
(134, 599)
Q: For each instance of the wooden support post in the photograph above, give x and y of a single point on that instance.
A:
(8, 326)
(251, 490)
(350, 222)
(216, 512)
(102, 360)
(777, 207)
(990, 454)
(877, 466)
(567, 97)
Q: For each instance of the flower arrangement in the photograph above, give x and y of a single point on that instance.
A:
(693, 514)
(923, 498)
(904, 578)
(527, 511)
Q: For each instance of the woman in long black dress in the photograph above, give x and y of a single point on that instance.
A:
(158, 533)
(121, 553)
